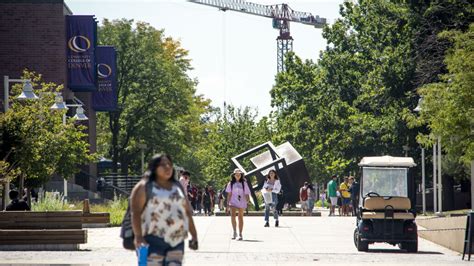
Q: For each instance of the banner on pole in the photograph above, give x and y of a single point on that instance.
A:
(81, 37)
(105, 98)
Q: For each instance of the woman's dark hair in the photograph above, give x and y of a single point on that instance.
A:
(150, 173)
(186, 173)
(276, 175)
(242, 180)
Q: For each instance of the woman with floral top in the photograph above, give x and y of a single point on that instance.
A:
(237, 197)
(161, 214)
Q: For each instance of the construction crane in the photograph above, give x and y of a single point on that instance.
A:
(281, 16)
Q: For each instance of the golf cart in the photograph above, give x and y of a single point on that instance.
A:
(387, 197)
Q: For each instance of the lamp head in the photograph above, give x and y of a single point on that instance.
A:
(59, 103)
(27, 93)
(80, 116)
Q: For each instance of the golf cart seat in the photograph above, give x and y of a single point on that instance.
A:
(382, 208)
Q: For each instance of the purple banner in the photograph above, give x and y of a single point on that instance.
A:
(105, 98)
(81, 32)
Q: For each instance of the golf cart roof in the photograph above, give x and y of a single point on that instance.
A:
(387, 161)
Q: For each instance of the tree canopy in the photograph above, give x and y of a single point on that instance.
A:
(35, 143)
(158, 108)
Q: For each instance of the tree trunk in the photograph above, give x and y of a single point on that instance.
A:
(28, 197)
(115, 129)
(448, 193)
(124, 162)
(21, 186)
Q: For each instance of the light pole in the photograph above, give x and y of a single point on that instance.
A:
(435, 183)
(60, 105)
(26, 94)
(440, 179)
(142, 147)
(423, 184)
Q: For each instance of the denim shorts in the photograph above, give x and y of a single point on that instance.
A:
(346, 201)
(160, 247)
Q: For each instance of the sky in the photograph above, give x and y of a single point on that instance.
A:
(234, 55)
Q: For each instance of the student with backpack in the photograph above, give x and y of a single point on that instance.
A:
(311, 190)
(161, 215)
(237, 198)
(304, 198)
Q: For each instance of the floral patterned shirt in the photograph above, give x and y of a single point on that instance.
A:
(165, 215)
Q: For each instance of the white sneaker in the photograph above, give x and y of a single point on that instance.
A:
(235, 235)
(240, 237)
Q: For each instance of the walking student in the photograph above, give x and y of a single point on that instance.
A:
(311, 199)
(162, 223)
(207, 201)
(345, 196)
(354, 190)
(272, 186)
(304, 198)
(332, 194)
(237, 197)
(184, 178)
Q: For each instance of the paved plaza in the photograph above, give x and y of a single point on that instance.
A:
(298, 241)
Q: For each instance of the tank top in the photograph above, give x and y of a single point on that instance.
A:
(165, 215)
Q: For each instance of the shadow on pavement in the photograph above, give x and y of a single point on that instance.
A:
(251, 240)
(403, 252)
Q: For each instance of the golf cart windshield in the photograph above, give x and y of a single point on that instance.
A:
(385, 181)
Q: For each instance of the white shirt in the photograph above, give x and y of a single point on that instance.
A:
(276, 186)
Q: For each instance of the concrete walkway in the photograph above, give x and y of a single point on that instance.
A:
(298, 241)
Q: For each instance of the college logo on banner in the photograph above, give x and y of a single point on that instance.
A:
(81, 62)
(105, 98)
(79, 44)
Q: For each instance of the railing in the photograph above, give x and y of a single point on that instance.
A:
(111, 191)
(111, 188)
(122, 182)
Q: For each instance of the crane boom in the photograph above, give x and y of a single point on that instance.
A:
(281, 15)
(282, 11)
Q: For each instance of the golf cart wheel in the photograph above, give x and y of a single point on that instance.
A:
(360, 245)
(411, 247)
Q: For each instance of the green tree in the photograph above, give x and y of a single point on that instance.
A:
(228, 134)
(35, 143)
(348, 104)
(155, 95)
(448, 105)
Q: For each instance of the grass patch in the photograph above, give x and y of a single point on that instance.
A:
(54, 201)
(116, 208)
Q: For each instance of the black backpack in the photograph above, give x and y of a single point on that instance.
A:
(126, 231)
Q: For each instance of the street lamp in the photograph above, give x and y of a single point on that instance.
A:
(142, 147)
(26, 94)
(60, 105)
(437, 179)
(423, 185)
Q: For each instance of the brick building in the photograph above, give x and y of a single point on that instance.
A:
(33, 36)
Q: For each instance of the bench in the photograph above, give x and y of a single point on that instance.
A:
(55, 230)
(382, 208)
(95, 219)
